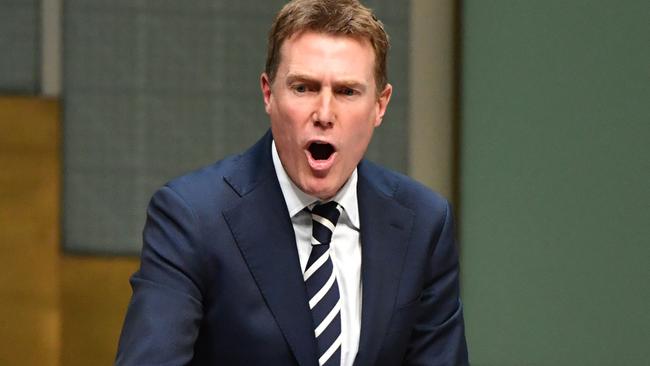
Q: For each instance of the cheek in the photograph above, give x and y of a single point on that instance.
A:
(283, 123)
(363, 130)
(357, 142)
(293, 110)
(361, 135)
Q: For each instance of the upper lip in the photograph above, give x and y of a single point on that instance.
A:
(319, 141)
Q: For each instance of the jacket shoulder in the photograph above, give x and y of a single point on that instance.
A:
(204, 190)
(205, 177)
(405, 190)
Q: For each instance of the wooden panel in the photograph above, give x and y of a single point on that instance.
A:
(54, 309)
(95, 293)
(29, 231)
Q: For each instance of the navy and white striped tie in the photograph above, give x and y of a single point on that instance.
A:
(322, 288)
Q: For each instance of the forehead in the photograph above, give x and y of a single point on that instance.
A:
(323, 53)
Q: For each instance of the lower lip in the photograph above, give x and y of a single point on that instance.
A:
(320, 166)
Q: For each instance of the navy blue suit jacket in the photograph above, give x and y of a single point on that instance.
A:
(220, 281)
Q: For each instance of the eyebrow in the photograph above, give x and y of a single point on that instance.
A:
(300, 77)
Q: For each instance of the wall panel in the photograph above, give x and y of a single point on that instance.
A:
(154, 89)
(20, 42)
(29, 231)
(554, 182)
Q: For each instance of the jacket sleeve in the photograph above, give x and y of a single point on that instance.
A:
(438, 337)
(165, 312)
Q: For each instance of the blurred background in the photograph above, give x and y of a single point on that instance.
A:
(533, 117)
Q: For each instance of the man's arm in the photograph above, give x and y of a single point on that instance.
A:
(438, 336)
(165, 312)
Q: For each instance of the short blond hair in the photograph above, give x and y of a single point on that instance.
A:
(335, 17)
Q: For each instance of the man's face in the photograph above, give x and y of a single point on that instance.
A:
(324, 107)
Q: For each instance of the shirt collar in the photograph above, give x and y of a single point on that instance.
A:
(297, 200)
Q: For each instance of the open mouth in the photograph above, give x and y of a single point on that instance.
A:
(321, 150)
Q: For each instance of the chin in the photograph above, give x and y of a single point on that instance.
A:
(319, 190)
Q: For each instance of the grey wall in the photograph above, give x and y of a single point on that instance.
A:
(555, 180)
(20, 41)
(153, 89)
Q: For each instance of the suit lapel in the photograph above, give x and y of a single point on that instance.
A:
(263, 231)
(385, 229)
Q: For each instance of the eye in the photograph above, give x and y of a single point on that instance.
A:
(299, 88)
(348, 92)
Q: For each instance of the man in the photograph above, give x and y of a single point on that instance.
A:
(298, 252)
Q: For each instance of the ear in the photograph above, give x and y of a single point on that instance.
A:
(382, 103)
(265, 85)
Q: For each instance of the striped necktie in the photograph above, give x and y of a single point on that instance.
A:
(322, 288)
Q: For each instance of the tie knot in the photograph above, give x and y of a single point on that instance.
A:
(324, 218)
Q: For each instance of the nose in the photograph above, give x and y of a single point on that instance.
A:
(324, 115)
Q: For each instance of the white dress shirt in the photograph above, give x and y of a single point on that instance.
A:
(345, 249)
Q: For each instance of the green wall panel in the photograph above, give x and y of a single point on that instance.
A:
(555, 177)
